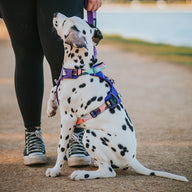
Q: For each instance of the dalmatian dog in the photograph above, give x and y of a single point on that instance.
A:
(110, 137)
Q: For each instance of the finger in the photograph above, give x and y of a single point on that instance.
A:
(94, 5)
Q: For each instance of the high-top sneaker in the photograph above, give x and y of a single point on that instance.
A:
(34, 152)
(77, 154)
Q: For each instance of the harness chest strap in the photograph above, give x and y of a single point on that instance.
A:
(111, 100)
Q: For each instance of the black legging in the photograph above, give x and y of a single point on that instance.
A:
(29, 23)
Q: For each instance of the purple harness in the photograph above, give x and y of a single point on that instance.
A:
(113, 97)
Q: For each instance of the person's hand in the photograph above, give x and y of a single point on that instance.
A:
(93, 5)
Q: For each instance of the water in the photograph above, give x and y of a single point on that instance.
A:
(160, 27)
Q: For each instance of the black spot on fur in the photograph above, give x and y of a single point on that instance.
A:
(87, 145)
(91, 80)
(114, 166)
(69, 100)
(86, 54)
(81, 105)
(84, 32)
(118, 107)
(124, 127)
(93, 99)
(133, 156)
(76, 67)
(75, 60)
(101, 80)
(67, 137)
(82, 62)
(113, 149)
(103, 142)
(82, 85)
(93, 133)
(110, 169)
(125, 168)
(62, 149)
(106, 85)
(121, 106)
(72, 110)
(86, 175)
(112, 111)
(88, 140)
(88, 102)
(109, 134)
(61, 125)
(88, 131)
(152, 174)
(61, 165)
(129, 125)
(71, 115)
(120, 146)
(123, 149)
(72, 55)
(65, 158)
(100, 98)
(105, 139)
(60, 136)
(77, 51)
(79, 56)
(74, 89)
(65, 112)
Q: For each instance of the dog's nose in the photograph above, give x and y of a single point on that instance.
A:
(55, 14)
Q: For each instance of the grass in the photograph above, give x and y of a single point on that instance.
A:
(163, 52)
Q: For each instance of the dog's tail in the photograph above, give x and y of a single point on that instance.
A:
(139, 168)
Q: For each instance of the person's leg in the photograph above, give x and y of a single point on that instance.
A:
(54, 52)
(21, 21)
(51, 42)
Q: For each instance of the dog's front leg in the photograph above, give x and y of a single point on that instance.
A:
(67, 123)
(52, 103)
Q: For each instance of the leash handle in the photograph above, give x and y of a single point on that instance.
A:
(92, 19)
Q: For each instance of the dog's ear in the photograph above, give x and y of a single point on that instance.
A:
(75, 38)
(97, 36)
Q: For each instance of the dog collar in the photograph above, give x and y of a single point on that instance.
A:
(75, 73)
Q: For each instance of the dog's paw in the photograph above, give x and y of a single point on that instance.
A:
(79, 175)
(52, 108)
(52, 172)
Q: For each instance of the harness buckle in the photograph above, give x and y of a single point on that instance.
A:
(69, 73)
(93, 114)
(113, 101)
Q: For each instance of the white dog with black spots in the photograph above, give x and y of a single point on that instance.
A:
(110, 137)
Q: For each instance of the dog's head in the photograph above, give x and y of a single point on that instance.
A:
(76, 32)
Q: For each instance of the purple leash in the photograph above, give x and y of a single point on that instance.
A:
(92, 19)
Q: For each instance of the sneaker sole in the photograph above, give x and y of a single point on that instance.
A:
(34, 160)
(79, 161)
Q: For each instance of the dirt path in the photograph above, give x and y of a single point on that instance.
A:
(158, 97)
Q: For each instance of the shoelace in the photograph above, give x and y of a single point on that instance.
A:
(34, 142)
